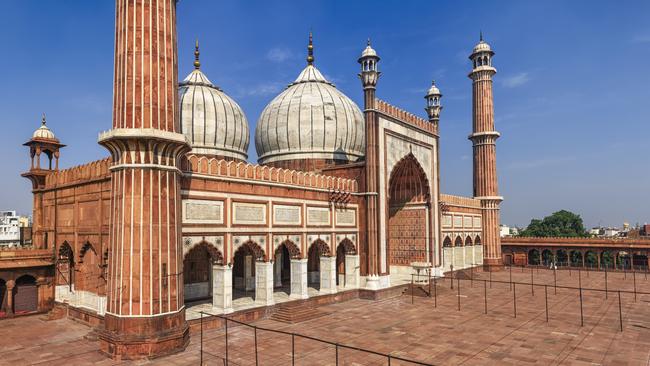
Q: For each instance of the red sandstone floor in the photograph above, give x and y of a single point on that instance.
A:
(441, 335)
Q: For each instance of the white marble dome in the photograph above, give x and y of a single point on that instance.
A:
(213, 122)
(44, 132)
(310, 119)
(482, 46)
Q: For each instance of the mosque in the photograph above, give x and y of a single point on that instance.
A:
(343, 198)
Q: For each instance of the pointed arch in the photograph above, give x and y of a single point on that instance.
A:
(468, 241)
(320, 247)
(348, 246)
(85, 248)
(292, 248)
(408, 182)
(213, 252)
(447, 242)
(458, 242)
(477, 240)
(254, 249)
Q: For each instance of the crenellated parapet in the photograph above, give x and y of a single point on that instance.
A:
(261, 173)
(451, 200)
(404, 116)
(98, 169)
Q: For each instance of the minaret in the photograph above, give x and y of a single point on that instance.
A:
(483, 139)
(145, 313)
(369, 76)
(433, 109)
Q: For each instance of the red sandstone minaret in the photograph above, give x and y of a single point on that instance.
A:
(145, 314)
(369, 76)
(484, 143)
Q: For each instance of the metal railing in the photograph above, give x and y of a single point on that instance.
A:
(580, 290)
(337, 346)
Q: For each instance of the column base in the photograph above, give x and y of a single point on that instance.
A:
(492, 265)
(130, 338)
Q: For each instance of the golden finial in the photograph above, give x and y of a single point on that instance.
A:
(43, 119)
(310, 50)
(368, 43)
(197, 63)
(481, 36)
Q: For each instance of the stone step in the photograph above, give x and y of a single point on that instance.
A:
(296, 313)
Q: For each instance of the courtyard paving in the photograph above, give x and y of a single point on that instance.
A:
(409, 327)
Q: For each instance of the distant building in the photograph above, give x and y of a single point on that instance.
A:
(645, 230)
(14, 229)
(506, 231)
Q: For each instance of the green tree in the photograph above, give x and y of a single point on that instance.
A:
(561, 223)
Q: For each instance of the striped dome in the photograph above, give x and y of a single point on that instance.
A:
(213, 122)
(311, 119)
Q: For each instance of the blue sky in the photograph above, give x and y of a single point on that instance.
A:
(571, 92)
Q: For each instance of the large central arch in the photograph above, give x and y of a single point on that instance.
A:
(408, 213)
(197, 271)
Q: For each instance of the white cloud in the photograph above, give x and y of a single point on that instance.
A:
(516, 80)
(279, 54)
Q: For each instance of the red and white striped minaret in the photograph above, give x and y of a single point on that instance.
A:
(369, 76)
(484, 139)
(145, 314)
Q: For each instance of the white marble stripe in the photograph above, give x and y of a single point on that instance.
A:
(169, 300)
(159, 246)
(131, 243)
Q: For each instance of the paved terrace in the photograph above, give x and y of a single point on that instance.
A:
(440, 335)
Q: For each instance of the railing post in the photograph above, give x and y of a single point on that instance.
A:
(293, 349)
(620, 310)
(579, 278)
(514, 297)
(388, 360)
(256, 357)
(201, 339)
(490, 272)
(582, 321)
(546, 300)
(435, 293)
(532, 283)
(337, 354)
(554, 279)
(226, 319)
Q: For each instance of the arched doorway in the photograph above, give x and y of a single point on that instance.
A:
(344, 248)
(533, 257)
(477, 240)
(447, 242)
(282, 257)
(243, 270)
(607, 259)
(640, 261)
(408, 210)
(88, 269)
(624, 261)
(65, 266)
(562, 258)
(591, 259)
(468, 241)
(458, 242)
(316, 250)
(25, 295)
(547, 257)
(3, 297)
(197, 271)
(575, 258)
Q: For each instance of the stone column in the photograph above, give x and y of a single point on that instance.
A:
(264, 283)
(222, 288)
(328, 275)
(10, 297)
(298, 279)
(352, 274)
(249, 279)
(277, 270)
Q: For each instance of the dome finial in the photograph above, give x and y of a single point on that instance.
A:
(481, 36)
(368, 43)
(197, 63)
(43, 119)
(310, 50)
